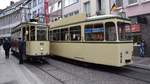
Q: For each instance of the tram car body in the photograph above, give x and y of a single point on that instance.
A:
(100, 40)
(35, 36)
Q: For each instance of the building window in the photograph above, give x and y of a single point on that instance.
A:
(69, 2)
(99, 2)
(132, 1)
(55, 7)
(34, 14)
(119, 3)
(40, 1)
(34, 3)
(29, 5)
(59, 4)
(87, 8)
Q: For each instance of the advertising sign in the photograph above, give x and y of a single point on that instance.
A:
(135, 28)
(46, 11)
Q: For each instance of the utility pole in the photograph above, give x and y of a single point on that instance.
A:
(61, 8)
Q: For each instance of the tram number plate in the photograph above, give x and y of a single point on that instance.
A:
(41, 43)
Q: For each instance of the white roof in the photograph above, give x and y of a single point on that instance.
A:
(102, 16)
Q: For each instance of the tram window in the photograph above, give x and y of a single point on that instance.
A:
(124, 31)
(24, 32)
(41, 35)
(50, 36)
(94, 32)
(110, 31)
(32, 33)
(64, 34)
(56, 35)
(75, 33)
(27, 34)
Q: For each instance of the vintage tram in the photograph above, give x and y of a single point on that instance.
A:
(35, 36)
(102, 40)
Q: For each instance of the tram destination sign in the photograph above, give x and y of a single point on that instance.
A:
(93, 30)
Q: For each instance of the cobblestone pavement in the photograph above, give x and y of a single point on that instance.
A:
(64, 73)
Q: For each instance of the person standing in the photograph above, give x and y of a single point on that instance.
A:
(21, 46)
(6, 46)
(142, 47)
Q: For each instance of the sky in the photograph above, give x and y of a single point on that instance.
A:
(5, 3)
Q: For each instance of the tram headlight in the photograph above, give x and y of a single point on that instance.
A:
(41, 49)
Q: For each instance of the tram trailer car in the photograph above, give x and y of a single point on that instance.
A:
(35, 36)
(102, 40)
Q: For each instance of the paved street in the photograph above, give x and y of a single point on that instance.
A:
(13, 73)
(57, 72)
(60, 72)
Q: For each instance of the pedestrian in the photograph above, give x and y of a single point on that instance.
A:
(142, 48)
(6, 46)
(21, 46)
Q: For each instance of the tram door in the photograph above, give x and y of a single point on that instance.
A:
(24, 33)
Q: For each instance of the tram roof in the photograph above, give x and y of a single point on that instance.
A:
(31, 23)
(101, 17)
(82, 18)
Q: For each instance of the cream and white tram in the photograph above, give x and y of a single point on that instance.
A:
(102, 40)
(35, 36)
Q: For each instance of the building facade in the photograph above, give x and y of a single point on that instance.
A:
(36, 8)
(55, 10)
(139, 12)
(19, 12)
(65, 8)
(10, 17)
(95, 7)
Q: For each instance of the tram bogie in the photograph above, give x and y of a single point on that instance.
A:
(100, 40)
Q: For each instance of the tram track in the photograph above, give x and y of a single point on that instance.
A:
(134, 75)
(128, 72)
(137, 73)
(59, 80)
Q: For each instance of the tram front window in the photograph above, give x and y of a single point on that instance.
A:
(110, 31)
(124, 31)
(32, 33)
(41, 35)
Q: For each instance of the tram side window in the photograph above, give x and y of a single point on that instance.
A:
(75, 33)
(27, 33)
(124, 31)
(56, 35)
(64, 34)
(41, 35)
(24, 33)
(50, 35)
(94, 32)
(110, 31)
(32, 33)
